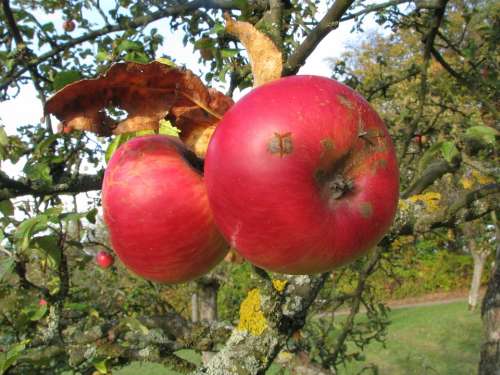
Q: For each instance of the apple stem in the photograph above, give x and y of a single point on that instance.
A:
(338, 186)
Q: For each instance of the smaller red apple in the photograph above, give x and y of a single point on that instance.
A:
(42, 302)
(104, 259)
(69, 26)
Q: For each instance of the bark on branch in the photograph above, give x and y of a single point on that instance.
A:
(328, 23)
(10, 188)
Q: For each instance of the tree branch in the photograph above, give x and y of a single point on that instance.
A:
(432, 173)
(374, 8)
(246, 353)
(170, 11)
(10, 188)
(428, 40)
(329, 22)
(471, 86)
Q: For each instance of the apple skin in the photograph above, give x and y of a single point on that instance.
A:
(104, 259)
(156, 208)
(69, 25)
(302, 175)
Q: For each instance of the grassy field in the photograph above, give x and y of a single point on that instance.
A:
(440, 339)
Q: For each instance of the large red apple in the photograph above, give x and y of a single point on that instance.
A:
(302, 176)
(157, 211)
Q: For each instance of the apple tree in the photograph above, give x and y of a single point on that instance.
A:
(432, 77)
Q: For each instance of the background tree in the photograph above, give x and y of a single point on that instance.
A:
(432, 74)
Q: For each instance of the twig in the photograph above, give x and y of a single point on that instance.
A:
(329, 22)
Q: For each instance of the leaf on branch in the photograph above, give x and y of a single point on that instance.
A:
(265, 57)
(148, 93)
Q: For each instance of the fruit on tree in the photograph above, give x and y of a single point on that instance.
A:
(302, 175)
(42, 302)
(69, 25)
(157, 211)
(104, 259)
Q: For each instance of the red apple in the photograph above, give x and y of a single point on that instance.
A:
(42, 302)
(157, 211)
(69, 25)
(302, 175)
(104, 259)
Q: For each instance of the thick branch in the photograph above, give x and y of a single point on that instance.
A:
(468, 206)
(433, 172)
(10, 188)
(329, 22)
(251, 354)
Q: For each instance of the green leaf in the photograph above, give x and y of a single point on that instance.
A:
(49, 246)
(77, 306)
(101, 366)
(190, 356)
(138, 57)
(449, 151)
(6, 208)
(136, 325)
(218, 28)
(166, 61)
(91, 216)
(42, 147)
(8, 358)
(64, 78)
(166, 128)
(4, 138)
(428, 157)
(226, 52)
(28, 228)
(204, 43)
(129, 45)
(6, 267)
(482, 134)
(38, 172)
(115, 143)
(38, 313)
(102, 55)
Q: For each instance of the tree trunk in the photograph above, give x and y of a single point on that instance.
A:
(479, 256)
(195, 308)
(490, 313)
(208, 299)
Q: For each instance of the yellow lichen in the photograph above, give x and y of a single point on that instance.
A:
(430, 200)
(403, 205)
(401, 241)
(467, 182)
(279, 285)
(252, 319)
(481, 178)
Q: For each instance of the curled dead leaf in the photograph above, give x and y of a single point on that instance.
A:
(147, 93)
(266, 59)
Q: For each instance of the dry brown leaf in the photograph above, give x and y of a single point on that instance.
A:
(265, 57)
(148, 93)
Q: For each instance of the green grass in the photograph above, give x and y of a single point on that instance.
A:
(440, 339)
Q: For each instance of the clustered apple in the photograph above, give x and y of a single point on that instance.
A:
(300, 177)
(156, 207)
